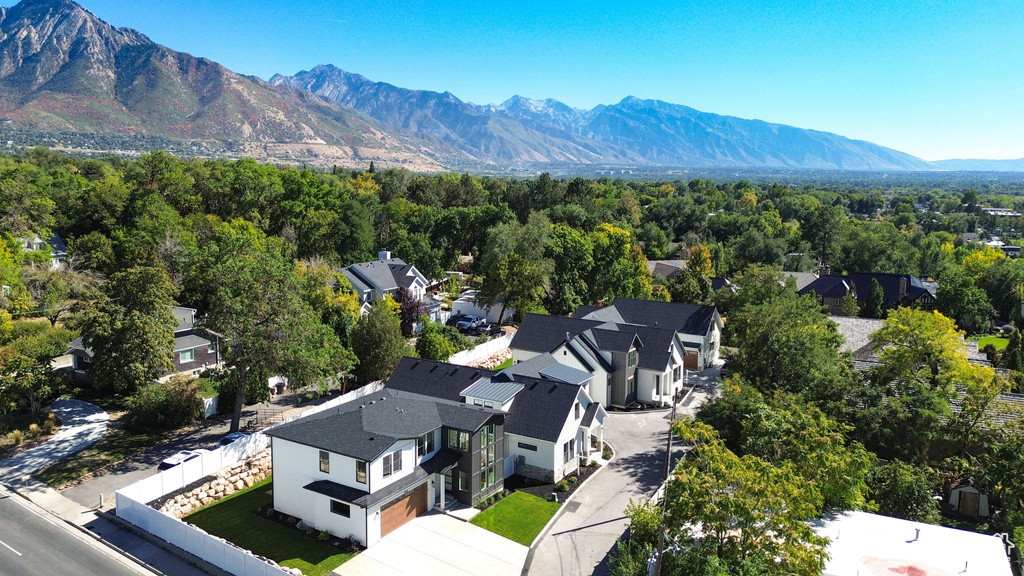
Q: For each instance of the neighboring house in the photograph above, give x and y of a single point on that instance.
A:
(698, 328)
(719, 283)
(830, 291)
(627, 363)
(374, 280)
(366, 467)
(551, 424)
(665, 268)
(863, 543)
(898, 289)
(55, 244)
(801, 279)
(193, 352)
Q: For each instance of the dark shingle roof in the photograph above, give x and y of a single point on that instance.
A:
(539, 333)
(686, 318)
(828, 287)
(615, 341)
(588, 416)
(891, 286)
(539, 410)
(367, 427)
(657, 345)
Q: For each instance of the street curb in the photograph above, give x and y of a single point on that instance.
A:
(561, 510)
(86, 532)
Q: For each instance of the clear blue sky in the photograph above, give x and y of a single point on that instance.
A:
(937, 79)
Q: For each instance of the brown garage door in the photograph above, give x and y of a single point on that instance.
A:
(690, 361)
(401, 511)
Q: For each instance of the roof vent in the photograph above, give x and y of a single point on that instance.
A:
(361, 406)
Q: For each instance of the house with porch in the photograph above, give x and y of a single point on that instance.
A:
(551, 426)
(628, 363)
(373, 280)
(194, 350)
(698, 328)
(366, 467)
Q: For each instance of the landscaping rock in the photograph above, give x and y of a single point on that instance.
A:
(228, 481)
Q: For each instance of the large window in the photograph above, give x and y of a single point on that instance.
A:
(458, 440)
(463, 481)
(325, 461)
(340, 508)
(632, 358)
(361, 471)
(186, 356)
(392, 463)
(569, 451)
(677, 373)
(631, 385)
(425, 444)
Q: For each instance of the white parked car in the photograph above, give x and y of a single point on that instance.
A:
(183, 456)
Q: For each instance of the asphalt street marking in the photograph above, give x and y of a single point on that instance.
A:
(9, 548)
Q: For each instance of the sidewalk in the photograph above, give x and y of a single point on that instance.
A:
(82, 424)
(104, 532)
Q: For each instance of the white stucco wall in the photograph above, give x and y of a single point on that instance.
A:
(544, 457)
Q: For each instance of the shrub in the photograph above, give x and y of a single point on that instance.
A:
(169, 405)
(310, 531)
(607, 454)
(573, 479)
(16, 437)
(562, 486)
(33, 430)
(48, 425)
(269, 512)
(323, 536)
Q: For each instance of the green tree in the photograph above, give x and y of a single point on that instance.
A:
(962, 300)
(904, 491)
(130, 329)
(29, 380)
(700, 261)
(255, 303)
(874, 304)
(378, 343)
(620, 268)
(572, 256)
(432, 344)
(57, 291)
(515, 267)
(746, 508)
(848, 305)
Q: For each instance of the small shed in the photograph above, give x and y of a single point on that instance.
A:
(966, 500)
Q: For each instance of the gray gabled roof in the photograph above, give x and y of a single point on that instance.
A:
(540, 333)
(365, 428)
(656, 352)
(609, 338)
(692, 319)
(386, 275)
(190, 342)
(563, 373)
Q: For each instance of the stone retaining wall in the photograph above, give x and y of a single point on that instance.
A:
(237, 477)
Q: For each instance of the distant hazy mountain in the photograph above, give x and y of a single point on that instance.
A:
(634, 131)
(64, 69)
(981, 165)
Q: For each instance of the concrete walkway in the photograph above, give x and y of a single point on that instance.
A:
(82, 424)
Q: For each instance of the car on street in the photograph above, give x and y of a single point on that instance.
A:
(469, 323)
(181, 457)
(231, 438)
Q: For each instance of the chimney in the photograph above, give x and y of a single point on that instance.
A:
(384, 255)
(903, 287)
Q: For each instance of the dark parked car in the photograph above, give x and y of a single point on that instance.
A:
(231, 438)
(454, 319)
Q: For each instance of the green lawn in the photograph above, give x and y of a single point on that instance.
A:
(233, 519)
(503, 365)
(996, 341)
(519, 517)
(115, 445)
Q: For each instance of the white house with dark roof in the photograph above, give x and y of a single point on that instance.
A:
(366, 467)
(374, 280)
(628, 363)
(551, 425)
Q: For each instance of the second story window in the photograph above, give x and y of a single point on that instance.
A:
(632, 358)
(425, 444)
(458, 440)
(361, 471)
(392, 463)
(325, 461)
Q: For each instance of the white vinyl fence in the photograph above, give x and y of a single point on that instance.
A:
(132, 500)
(482, 351)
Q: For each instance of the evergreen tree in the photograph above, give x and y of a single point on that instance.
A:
(874, 306)
(378, 343)
(848, 306)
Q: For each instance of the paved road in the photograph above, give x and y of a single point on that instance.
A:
(82, 424)
(582, 538)
(32, 544)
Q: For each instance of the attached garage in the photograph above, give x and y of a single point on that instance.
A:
(400, 511)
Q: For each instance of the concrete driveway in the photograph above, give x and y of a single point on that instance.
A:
(82, 424)
(439, 545)
(583, 536)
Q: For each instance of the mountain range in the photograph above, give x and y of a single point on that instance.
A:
(64, 70)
